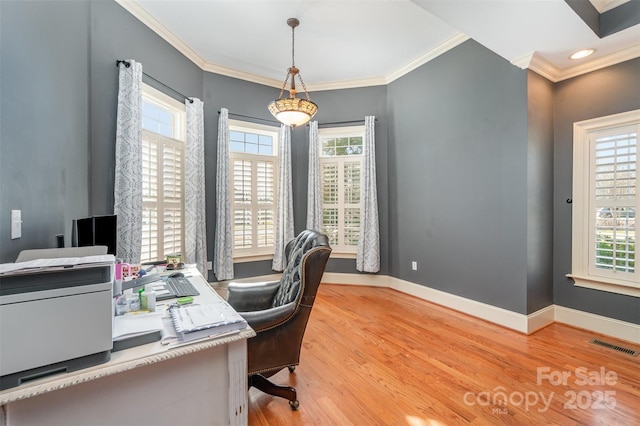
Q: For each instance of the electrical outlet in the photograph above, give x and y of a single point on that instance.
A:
(414, 265)
(209, 265)
(16, 224)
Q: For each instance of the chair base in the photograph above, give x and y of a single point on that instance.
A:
(258, 381)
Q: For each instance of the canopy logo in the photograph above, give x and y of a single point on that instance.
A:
(499, 399)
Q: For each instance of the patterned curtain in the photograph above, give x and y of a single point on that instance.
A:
(127, 188)
(368, 254)
(195, 238)
(314, 185)
(284, 211)
(223, 254)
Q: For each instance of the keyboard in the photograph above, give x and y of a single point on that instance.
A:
(181, 287)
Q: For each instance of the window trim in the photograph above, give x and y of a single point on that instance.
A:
(264, 253)
(581, 205)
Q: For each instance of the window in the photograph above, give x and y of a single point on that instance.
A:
(254, 183)
(163, 151)
(605, 203)
(341, 161)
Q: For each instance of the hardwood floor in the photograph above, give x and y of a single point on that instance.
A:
(374, 356)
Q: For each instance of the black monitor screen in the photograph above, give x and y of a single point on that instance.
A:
(96, 231)
(84, 232)
(104, 232)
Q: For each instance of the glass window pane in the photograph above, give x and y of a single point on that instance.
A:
(236, 136)
(251, 148)
(265, 140)
(265, 150)
(235, 146)
(164, 117)
(251, 137)
(165, 130)
(150, 110)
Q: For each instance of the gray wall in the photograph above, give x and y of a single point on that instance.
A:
(600, 93)
(458, 177)
(44, 120)
(540, 193)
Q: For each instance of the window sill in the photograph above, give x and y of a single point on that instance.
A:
(253, 258)
(342, 255)
(612, 286)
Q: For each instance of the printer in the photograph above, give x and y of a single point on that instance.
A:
(55, 316)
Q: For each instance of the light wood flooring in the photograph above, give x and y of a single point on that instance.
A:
(374, 356)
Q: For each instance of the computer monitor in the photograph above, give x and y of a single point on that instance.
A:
(95, 231)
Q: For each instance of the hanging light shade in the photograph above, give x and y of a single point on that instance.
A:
(293, 111)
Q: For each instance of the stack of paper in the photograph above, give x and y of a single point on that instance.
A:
(136, 329)
(194, 322)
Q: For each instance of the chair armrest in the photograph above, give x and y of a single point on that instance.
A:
(261, 320)
(246, 297)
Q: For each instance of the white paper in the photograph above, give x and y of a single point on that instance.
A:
(131, 325)
(58, 262)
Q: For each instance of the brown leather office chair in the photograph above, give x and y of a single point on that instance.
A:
(278, 312)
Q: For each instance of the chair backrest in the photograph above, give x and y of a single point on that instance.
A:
(292, 275)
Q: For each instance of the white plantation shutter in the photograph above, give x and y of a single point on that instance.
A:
(242, 199)
(173, 170)
(341, 195)
(265, 183)
(149, 198)
(352, 196)
(162, 201)
(613, 201)
(330, 198)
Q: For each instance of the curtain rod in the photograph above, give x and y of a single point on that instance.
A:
(333, 123)
(127, 64)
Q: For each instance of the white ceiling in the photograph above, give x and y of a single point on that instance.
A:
(352, 43)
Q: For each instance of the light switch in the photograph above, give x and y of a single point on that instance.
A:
(16, 224)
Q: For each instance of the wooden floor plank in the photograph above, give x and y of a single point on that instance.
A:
(376, 356)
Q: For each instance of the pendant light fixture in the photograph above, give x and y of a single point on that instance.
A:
(293, 111)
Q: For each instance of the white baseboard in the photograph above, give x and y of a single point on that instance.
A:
(523, 323)
(540, 319)
(599, 324)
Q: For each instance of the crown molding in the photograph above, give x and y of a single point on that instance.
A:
(443, 47)
(242, 75)
(347, 84)
(614, 58)
(537, 63)
(605, 5)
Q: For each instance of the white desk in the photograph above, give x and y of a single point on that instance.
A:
(204, 383)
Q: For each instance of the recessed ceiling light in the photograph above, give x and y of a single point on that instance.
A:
(582, 53)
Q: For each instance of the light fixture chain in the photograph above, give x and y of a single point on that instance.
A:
(286, 78)
(304, 87)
